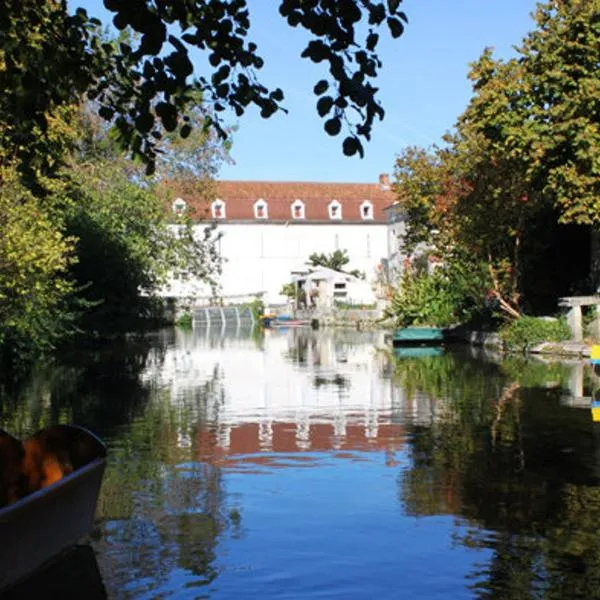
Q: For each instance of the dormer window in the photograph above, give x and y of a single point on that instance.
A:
(261, 210)
(218, 209)
(298, 209)
(179, 206)
(335, 210)
(366, 210)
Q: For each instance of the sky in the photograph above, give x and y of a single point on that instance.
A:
(423, 88)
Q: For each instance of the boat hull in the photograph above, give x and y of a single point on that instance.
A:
(38, 527)
(418, 335)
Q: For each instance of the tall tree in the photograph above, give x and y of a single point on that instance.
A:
(522, 164)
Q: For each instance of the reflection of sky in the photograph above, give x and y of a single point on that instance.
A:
(335, 531)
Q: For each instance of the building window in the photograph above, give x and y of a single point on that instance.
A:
(298, 209)
(218, 209)
(179, 206)
(261, 210)
(335, 210)
(366, 210)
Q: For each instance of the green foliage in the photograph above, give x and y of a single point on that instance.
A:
(145, 84)
(35, 255)
(337, 260)
(524, 332)
(289, 290)
(86, 245)
(522, 160)
(257, 306)
(451, 294)
(185, 321)
(422, 300)
(126, 245)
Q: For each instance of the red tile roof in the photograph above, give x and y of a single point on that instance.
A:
(240, 196)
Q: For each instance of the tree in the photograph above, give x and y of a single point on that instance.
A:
(336, 261)
(521, 165)
(560, 59)
(146, 83)
(128, 239)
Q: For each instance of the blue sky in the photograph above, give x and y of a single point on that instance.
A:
(423, 88)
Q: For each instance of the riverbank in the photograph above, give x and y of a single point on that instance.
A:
(567, 348)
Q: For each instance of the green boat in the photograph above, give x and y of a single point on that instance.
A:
(418, 335)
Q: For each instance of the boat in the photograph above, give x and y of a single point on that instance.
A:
(418, 335)
(39, 526)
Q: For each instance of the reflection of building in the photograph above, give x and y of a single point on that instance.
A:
(303, 390)
(296, 436)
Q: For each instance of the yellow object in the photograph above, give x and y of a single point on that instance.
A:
(595, 353)
(596, 413)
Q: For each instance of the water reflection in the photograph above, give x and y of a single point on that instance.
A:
(511, 458)
(299, 463)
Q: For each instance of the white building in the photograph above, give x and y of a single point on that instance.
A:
(269, 229)
(321, 288)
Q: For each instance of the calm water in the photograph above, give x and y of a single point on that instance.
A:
(306, 464)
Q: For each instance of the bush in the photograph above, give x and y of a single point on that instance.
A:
(522, 333)
(185, 321)
(35, 255)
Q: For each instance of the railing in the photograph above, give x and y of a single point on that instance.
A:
(220, 316)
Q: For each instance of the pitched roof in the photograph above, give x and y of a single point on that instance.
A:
(240, 196)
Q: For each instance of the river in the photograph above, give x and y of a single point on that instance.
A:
(301, 464)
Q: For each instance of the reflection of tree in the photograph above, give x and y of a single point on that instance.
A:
(98, 388)
(338, 381)
(516, 466)
(161, 510)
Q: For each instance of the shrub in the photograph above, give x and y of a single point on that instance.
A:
(524, 332)
(35, 255)
(185, 321)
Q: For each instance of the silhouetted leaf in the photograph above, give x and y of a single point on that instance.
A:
(321, 87)
(351, 146)
(324, 105)
(333, 126)
(396, 27)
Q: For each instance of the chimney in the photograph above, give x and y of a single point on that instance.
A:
(384, 181)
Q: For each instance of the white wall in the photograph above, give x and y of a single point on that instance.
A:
(261, 256)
